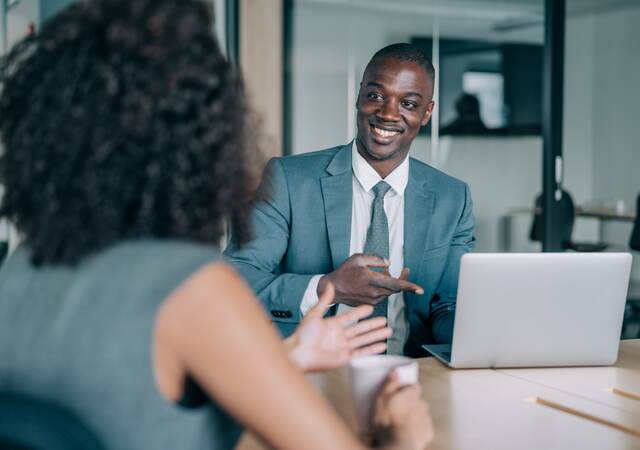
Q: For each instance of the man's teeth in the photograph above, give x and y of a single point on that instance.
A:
(385, 133)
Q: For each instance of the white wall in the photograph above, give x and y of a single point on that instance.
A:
(601, 98)
(19, 17)
(616, 65)
(579, 108)
(616, 165)
(503, 173)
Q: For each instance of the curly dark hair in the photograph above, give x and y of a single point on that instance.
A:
(121, 120)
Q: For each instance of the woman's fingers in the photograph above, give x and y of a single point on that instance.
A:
(354, 315)
(391, 385)
(365, 326)
(373, 349)
(324, 302)
(377, 335)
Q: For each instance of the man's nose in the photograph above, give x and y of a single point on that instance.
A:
(389, 111)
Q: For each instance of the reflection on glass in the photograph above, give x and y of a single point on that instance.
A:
(488, 90)
(468, 119)
(488, 87)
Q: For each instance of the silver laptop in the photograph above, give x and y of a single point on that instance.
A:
(538, 310)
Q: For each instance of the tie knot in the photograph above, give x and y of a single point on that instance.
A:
(381, 189)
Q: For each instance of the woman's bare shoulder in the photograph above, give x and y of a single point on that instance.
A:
(204, 293)
(200, 296)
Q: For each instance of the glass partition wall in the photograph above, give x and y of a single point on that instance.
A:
(486, 126)
(600, 130)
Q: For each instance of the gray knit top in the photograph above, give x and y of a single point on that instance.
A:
(82, 337)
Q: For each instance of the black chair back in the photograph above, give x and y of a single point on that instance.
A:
(634, 242)
(568, 212)
(4, 249)
(28, 423)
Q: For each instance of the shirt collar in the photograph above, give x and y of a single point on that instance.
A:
(368, 177)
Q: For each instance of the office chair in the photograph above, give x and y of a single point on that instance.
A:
(634, 241)
(568, 215)
(631, 321)
(32, 424)
(631, 324)
(4, 249)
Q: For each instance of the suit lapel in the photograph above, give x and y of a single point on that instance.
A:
(419, 202)
(337, 193)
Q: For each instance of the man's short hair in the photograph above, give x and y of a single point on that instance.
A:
(406, 52)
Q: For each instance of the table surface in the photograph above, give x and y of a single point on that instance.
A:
(493, 408)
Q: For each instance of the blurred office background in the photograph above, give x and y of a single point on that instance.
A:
(303, 60)
(498, 58)
(494, 51)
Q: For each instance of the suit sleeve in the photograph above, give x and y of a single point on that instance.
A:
(443, 305)
(259, 261)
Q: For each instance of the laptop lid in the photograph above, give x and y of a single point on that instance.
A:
(539, 309)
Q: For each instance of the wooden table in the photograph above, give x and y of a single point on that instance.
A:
(493, 409)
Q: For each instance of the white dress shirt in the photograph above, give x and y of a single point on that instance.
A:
(364, 179)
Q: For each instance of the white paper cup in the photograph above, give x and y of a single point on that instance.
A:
(368, 374)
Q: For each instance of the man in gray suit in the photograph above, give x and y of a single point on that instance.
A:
(383, 228)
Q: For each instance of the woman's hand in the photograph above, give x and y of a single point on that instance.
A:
(401, 418)
(322, 344)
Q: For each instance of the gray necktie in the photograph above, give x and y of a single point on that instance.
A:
(377, 242)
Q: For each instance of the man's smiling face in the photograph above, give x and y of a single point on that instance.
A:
(393, 103)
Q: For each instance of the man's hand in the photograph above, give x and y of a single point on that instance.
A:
(357, 284)
(322, 344)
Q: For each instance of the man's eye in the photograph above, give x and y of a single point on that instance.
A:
(409, 105)
(374, 96)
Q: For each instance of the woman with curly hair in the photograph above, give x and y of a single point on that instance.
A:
(127, 150)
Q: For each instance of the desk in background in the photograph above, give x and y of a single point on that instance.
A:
(606, 213)
(598, 212)
(602, 214)
(492, 409)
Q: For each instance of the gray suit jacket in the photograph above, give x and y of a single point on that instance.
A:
(303, 228)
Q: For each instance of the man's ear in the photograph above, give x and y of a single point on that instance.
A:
(358, 96)
(427, 113)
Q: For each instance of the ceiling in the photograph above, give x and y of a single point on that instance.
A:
(495, 9)
(501, 16)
